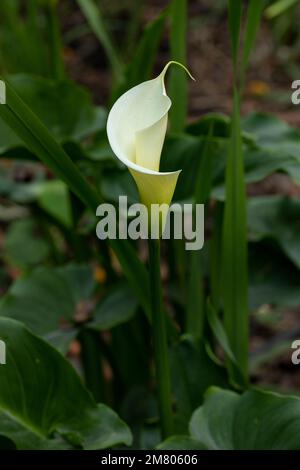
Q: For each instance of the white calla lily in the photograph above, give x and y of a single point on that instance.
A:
(136, 130)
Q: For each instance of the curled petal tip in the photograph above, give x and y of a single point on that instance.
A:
(180, 65)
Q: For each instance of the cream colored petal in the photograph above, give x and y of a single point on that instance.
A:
(136, 129)
(155, 189)
(134, 114)
(149, 143)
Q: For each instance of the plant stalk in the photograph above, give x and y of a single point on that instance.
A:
(92, 366)
(159, 334)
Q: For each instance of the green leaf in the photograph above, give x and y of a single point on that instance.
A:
(116, 182)
(24, 245)
(274, 135)
(219, 332)
(63, 107)
(178, 78)
(41, 392)
(116, 308)
(22, 437)
(193, 372)
(79, 278)
(181, 443)
(261, 156)
(46, 299)
(54, 198)
(255, 420)
(273, 279)
(276, 217)
(42, 300)
(39, 140)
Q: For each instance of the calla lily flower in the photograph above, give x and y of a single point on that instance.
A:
(136, 130)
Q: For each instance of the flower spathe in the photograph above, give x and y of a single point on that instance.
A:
(136, 130)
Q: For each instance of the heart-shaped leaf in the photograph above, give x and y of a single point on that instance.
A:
(41, 397)
(255, 420)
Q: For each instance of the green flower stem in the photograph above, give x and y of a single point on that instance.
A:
(92, 364)
(160, 341)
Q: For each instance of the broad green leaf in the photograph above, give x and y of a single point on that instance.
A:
(19, 117)
(278, 138)
(181, 443)
(276, 217)
(24, 244)
(80, 279)
(273, 279)
(41, 392)
(116, 182)
(42, 300)
(272, 133)
(22, 437)
(46, 301)
(117, 307)
(54, 198)
(192, 372)
(255, 420)
(185, 151)
(64, 108)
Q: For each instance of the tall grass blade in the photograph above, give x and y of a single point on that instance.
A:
(35, 38)
(234, 257)
(141, 64)
(234, 18)
(94, 18)
(279, 7)
(12, 23)
(215, 257)
(136, 8)
(254, 13)
(56, 57)
(178, 79)
(195, 313)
